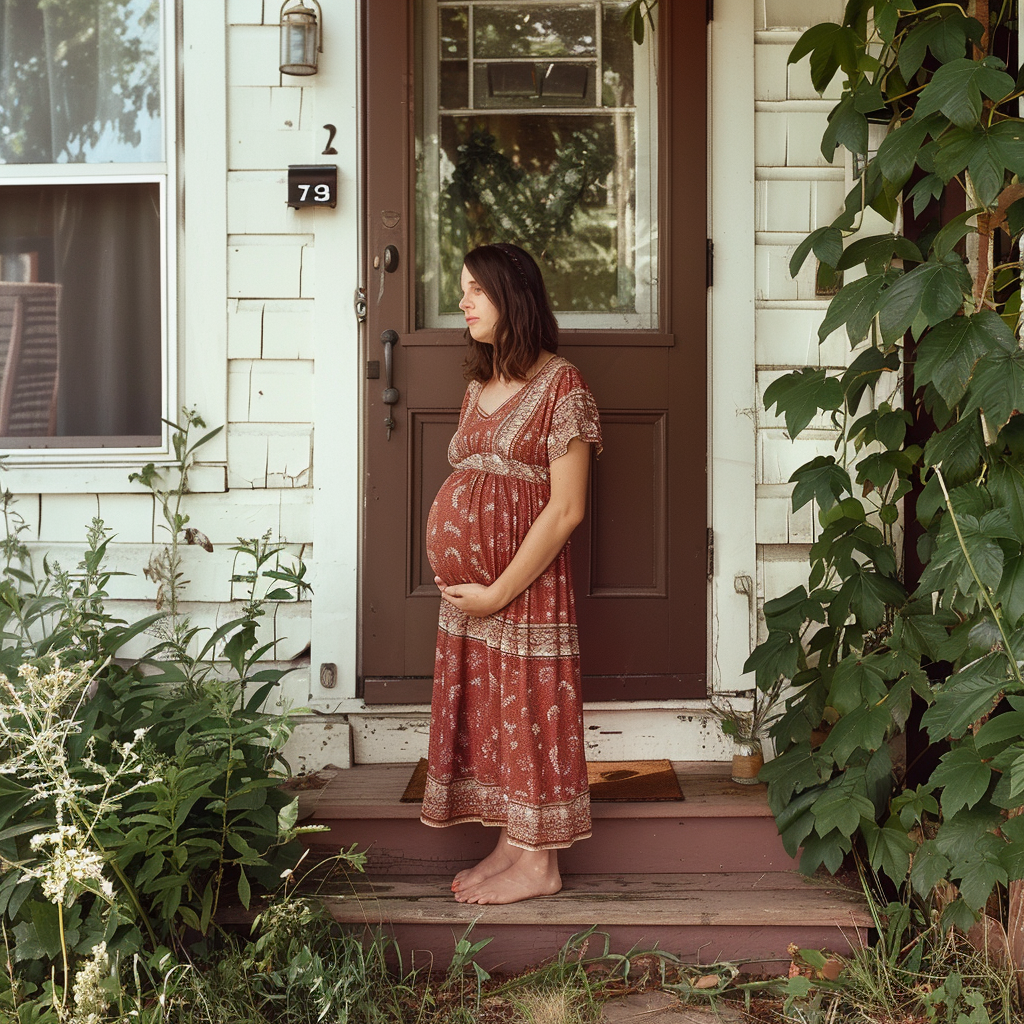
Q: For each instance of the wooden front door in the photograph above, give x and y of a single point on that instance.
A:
(542, 124)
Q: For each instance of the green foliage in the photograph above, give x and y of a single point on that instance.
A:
(135, 796)
(914, 971)
(861, 643)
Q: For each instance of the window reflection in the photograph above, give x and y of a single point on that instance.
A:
(537, 127)
(80, 81)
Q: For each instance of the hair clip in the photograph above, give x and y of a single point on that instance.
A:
(515, 260)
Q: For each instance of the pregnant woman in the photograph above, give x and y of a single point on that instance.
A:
(506, 727)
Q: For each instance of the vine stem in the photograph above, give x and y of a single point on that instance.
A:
(63, 949)
(981, 586)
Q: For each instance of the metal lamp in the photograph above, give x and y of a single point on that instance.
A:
(301, 38)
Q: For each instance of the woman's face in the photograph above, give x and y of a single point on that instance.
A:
(481, 313)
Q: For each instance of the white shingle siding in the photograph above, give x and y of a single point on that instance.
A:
(796, 190)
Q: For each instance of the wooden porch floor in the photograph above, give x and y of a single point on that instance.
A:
(705, 878)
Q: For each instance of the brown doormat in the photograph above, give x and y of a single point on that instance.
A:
(609, 781)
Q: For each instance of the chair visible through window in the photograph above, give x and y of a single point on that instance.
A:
(29, 373)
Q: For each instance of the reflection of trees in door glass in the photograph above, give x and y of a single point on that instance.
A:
(79, 81)
(522, 31)
(546, 183)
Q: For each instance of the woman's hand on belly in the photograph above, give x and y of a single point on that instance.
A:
(472, 598)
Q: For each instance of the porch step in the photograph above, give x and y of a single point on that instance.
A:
(718, 826)
(706, 877)
(703, 917)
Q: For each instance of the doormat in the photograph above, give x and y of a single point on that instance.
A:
(609, 781)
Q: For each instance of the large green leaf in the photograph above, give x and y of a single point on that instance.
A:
(998, 731)
(824, 850)
(962, 836)
(863, 728)
(791, 771)
(952, 231)
(920, 630)
(822, 479)
(776, 656)
(887, 14)
(988, 153)
(958, 449)
(929, 868)
(889, 849)
(997, 387)
(847, 126)
(878, 250)
(963, 698)
(964, 778)
(1005, 483)
(897, 154)
(800, 394)
(947, 353)
(855, 306)
(826, 243)
(864, 372)
(929, 188)
(935, 290)
(980, 875)
(840, 808)
(866, 594)
(957, 87)
(1010, 594)
(831, 47)
(856, 682)
(946, 33)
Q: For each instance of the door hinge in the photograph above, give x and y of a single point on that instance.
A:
(709, 264)
(711, 553)
(709, 10)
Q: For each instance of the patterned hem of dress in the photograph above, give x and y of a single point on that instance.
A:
(501, 824)
(519, 639)
(542, 826)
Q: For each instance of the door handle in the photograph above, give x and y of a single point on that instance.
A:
(390, 397)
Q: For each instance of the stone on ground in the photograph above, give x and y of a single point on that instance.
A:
(657, 1007)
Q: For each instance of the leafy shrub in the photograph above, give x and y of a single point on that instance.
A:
(135, 796)
(864, 642)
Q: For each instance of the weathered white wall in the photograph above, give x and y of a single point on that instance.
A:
(796, 190)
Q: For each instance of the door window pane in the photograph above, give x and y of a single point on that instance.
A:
(80, 314)
(537, 126)
(80, 81)
(535, 30)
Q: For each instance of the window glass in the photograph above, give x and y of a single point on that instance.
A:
(80, 314)
(80, 81)
(536, 126)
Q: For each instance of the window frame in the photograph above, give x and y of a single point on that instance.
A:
(193, 269)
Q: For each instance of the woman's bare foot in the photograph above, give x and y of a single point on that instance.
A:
(501, 858)
(534, 873)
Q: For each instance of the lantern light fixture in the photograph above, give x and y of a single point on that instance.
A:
(301, 38)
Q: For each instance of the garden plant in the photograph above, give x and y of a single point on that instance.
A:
(136, 795)
(911, 626)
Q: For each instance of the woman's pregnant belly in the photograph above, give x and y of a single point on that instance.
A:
(475, 526)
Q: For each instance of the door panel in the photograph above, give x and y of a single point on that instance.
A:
(638, 335)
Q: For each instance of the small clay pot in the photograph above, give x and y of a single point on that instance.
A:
(747, 760)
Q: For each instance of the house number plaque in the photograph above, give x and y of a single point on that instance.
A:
(312, 185)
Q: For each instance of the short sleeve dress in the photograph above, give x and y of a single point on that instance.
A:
(506, 727)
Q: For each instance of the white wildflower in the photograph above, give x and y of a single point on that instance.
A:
(67, 866)
(91, 1001)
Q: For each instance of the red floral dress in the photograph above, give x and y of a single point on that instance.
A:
(506, 726)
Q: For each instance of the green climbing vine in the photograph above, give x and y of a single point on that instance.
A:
(913, 614)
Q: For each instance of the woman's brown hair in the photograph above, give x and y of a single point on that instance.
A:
(512, 281)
